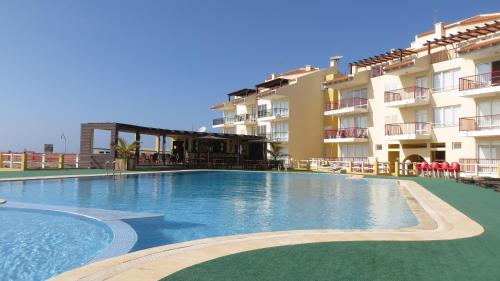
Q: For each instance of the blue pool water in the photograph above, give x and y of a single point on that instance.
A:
(206, 204)
(35, 245)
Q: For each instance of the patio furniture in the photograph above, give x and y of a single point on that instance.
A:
(434, 168)
(454, 169)
(443, 169)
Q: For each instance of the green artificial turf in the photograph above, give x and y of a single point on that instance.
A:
(476, 258)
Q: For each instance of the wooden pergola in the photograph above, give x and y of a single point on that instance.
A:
(391, 55)
(487, 28)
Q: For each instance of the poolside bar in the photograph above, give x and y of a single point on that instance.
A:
(188, 149)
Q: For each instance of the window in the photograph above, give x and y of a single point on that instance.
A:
(456, 145)
(353, 150)
(279, 131)
(445, 80)
(378, 147)
(446, 116)
(489, 150)
(438, 145)
(393, 146)
(358, 93)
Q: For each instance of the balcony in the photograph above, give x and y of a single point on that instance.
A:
(409, 66)
(407, 131)
(275, 136)
(223, 122)
(480, 126)
(482, 85)
(353, 134)
(245, 119)
(346, 106)
(272, 114)
(407, 97)
(348, 81)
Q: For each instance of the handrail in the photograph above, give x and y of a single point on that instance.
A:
(478, 123)
(351, 132)
(395, 129)
(345, 103)
(414, 92)
(478, 81)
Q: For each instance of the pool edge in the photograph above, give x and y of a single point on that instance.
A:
(156, 263)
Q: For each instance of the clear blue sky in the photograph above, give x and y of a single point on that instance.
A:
(164, 63)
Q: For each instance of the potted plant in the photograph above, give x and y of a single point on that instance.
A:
(275, 151)
(124, 160)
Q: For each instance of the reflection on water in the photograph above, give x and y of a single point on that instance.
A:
(205, 204)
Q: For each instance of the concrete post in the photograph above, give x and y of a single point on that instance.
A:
(396, 169)
(375, 168)
(24, 162)
(1, 160)
(61, 161)
(415, 169)
(349, 169)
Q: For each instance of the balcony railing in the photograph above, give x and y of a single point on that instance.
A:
(479, 166)
(222, 121)
(353, 132)
(275, 136)
(245, 117)
(478, 123)
(417, 93)
(409, 128)
(443, 55)
(345, 103)
(274, 112)
(484, 80)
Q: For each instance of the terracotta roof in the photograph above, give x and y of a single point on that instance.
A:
(217, 106)
(339, 79)
(399, 65)
(477, 46)
(467, 21)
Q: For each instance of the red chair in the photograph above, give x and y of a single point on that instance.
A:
(454, 169)
(445, 166)
(434, 168)
(425, 168)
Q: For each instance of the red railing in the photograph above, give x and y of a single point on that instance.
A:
(345, 103)
(479, 166)
(409, 128)
(417, 93)
(352, 132)
(478, 123)
(480, 81)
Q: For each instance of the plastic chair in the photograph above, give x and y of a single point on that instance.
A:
(425, 168)
(445, 166)
(434, 168)
(454, 169)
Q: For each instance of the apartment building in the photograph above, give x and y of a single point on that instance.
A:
(286, 108)
(437, 100)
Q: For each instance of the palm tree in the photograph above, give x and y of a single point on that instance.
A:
(275, 150)
(125, 150)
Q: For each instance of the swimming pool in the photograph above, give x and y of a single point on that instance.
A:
(216, 203)
(39, 244)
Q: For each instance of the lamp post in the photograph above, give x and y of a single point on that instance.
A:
(63, 137)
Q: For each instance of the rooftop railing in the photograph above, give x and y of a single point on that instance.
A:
(345, 103)
(352, 132)
(408, 128)
(480, 81)
(478, 123)
(417, 93)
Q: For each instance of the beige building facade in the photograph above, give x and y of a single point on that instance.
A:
(286, 108)
(438, 100)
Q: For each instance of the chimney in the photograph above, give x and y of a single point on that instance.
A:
(308, 67)
(334, 61)
(273, 76)
(438, 30)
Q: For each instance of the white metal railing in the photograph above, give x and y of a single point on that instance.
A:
(479, 166)
(11, 160)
